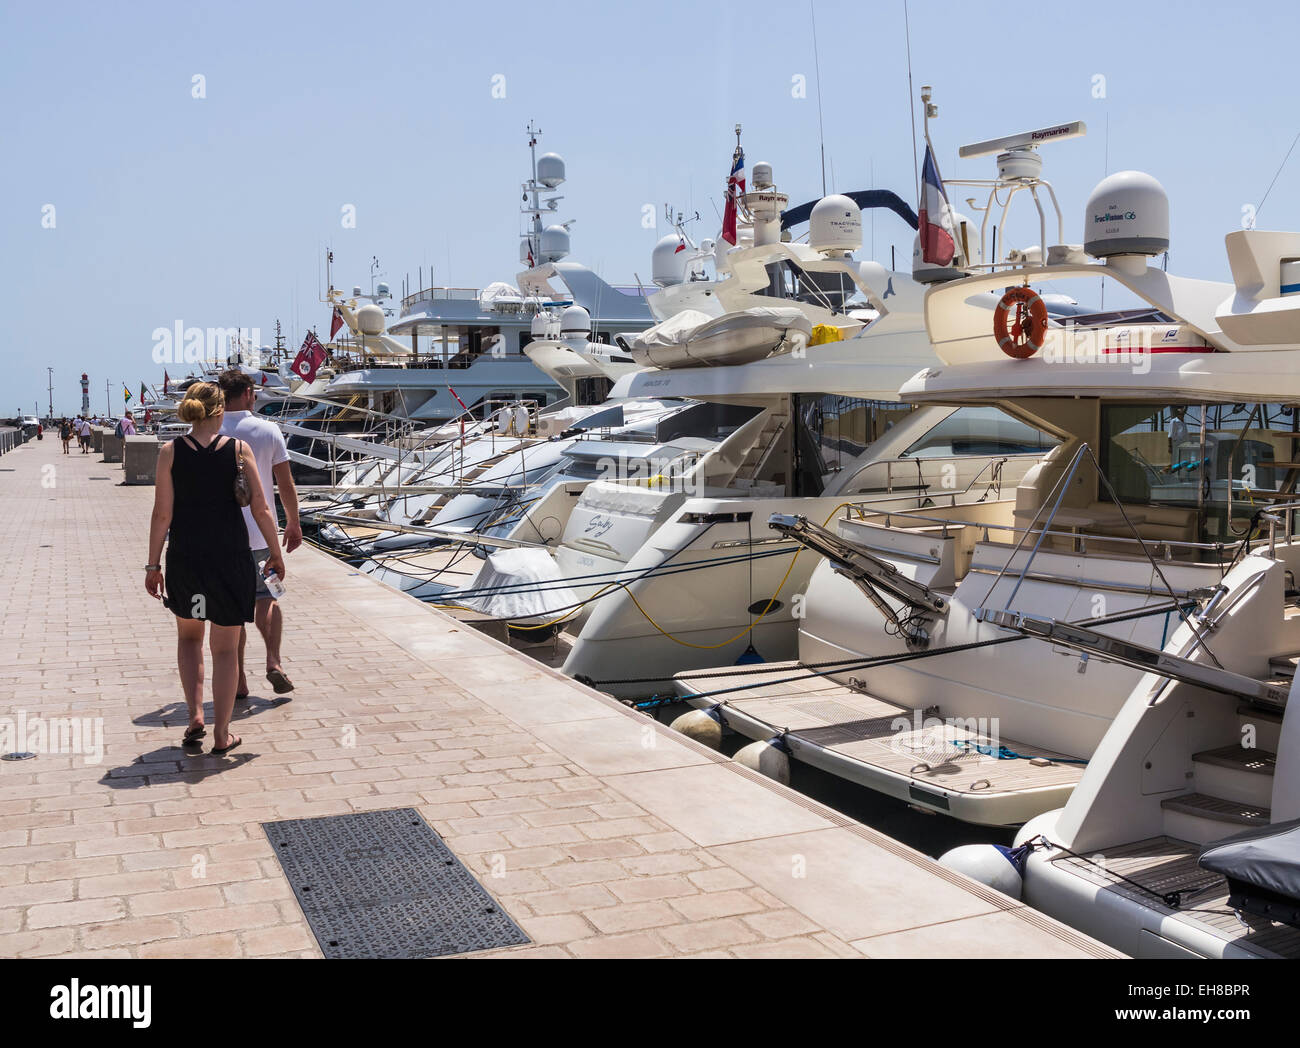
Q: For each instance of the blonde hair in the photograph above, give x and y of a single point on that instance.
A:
(202, 400)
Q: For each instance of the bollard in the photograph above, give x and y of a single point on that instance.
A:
(140, 459)
(97, 439)
(112, 447)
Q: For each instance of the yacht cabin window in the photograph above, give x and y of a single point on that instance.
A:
(981, 431)
(1217, 461)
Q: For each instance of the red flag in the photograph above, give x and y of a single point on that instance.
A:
(166, 383)
(309, 358)
(335, 323)
(735, 188)
(681, 246)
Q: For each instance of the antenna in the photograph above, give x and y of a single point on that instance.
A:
(817, 70)
(1019, 167)
(911, 106)
(1025, 140)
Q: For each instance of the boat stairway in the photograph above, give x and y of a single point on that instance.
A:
(923, 757)
(760, 451)
(1231, 786)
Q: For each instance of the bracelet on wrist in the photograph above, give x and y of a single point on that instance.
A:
(153, 567)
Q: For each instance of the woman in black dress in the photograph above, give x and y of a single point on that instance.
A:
(211, 574)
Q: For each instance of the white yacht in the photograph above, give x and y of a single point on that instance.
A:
(704, 582)
(1174, 430)
(468, 347)
(780, 316)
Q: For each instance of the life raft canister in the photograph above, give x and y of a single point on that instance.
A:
(1023, 337)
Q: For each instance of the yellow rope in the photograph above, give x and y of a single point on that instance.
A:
(721, 644)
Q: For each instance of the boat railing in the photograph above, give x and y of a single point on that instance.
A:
(922, 492)
(1279, 520)
(441, 294)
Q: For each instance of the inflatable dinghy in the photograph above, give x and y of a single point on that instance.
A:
(695, 339)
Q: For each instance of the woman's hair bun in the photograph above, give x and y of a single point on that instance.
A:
(202, 400)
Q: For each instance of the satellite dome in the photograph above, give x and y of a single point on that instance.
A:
(550, 170)
(762, 175)
(381, 289)
(575, 321)
(555, 244)
(835, 225)
(540, 325)
(874, 275)
(668, 261)
(370, 319)
(1127, 214)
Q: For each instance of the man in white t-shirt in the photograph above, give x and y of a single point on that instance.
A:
(267, 444)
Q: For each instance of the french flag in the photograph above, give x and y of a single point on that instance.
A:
(936, 224)
(735, 188)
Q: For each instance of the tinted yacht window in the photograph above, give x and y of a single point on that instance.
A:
(981, 431)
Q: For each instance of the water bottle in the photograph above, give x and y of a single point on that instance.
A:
(274, 586)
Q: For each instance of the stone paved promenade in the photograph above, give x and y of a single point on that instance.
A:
(611, 835)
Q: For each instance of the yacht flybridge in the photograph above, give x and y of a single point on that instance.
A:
(468, 347)
(998, 661)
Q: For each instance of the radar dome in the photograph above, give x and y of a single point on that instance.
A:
(668, 261)
(370, 319)
(874, 275)
(575, 322)
(1128, 214)
(381, 289)
(835, 225)
(555, 244)
(540, 325)
(550, 170)
(763, 175)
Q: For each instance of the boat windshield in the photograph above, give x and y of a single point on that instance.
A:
(1218, 463)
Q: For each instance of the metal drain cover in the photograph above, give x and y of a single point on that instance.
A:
(382, 884)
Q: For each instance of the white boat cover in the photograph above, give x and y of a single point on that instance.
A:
(1263, 870)
(603, 496)
(516, 568)
(692, 338)
(499, 294)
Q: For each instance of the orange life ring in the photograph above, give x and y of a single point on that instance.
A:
(1028, 327)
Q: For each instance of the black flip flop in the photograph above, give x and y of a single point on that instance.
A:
(227, 748)
(282, 684)
(241, 696)
(192, 736)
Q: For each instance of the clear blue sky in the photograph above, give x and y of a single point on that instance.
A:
(215, 212)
